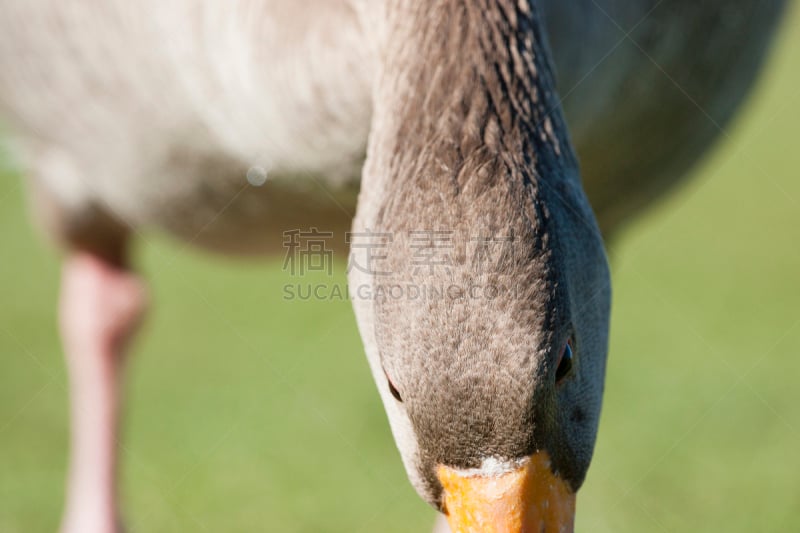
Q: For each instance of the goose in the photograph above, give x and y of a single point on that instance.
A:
(444, 124)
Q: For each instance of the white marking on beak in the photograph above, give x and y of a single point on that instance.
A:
(494, 467)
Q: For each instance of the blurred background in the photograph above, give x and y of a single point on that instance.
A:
(248, 412)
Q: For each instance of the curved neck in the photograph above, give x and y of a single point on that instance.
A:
(467, 129)
(464, 95)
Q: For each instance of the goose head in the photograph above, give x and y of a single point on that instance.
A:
(483, 298)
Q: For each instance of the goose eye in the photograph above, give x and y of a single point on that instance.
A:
(565, 363)
(393, 389)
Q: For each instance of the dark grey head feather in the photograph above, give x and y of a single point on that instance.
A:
(483, 151)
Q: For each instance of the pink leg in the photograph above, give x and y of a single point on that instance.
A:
(100, 309)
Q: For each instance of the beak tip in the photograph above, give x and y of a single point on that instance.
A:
(525, 497)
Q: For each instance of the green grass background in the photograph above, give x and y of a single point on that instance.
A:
(250, 413)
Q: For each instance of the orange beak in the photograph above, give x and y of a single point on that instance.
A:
(527, 499)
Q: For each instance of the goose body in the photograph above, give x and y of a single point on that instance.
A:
(147, 146)
(286, 90)
(229, 123)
